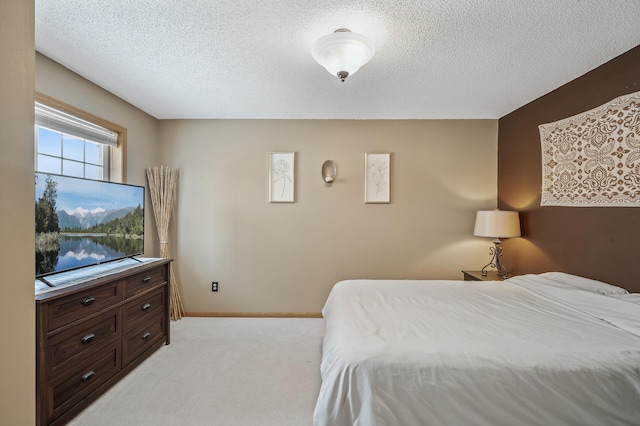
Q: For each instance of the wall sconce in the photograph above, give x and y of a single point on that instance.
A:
(342, 52)
(329, 171)
(497, 224)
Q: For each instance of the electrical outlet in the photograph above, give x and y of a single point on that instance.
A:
(214, 286)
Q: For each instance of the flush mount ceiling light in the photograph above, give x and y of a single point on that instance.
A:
(342, 53)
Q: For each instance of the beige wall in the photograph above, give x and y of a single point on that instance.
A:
(54, 80)
(285, 257)
(17, 307)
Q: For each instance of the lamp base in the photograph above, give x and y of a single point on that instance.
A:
(496, 253)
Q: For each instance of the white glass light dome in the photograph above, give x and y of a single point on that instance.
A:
(342, 53)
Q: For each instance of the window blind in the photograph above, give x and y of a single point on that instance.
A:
(57, 120)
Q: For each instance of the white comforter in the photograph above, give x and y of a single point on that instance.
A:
(526, 351)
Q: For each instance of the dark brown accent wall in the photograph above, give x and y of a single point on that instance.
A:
(602, 243)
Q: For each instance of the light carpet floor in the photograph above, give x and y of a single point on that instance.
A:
(219, 372)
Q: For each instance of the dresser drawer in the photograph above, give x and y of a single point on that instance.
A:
(146, 306)
(143, 281)
(142, 337)
(78, 305)
(83, 337)
(69, 389)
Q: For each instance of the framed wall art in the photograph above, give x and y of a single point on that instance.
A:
(377, 181)
(282, 177)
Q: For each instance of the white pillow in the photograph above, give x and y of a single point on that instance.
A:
(631, 297)
(582, 283)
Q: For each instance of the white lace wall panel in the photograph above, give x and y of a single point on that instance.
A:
(593, 159)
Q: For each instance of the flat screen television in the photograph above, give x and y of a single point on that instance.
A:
(83, 222)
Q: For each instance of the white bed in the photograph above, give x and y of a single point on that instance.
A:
(548, 349)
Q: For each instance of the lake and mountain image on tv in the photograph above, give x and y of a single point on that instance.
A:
(83, 222)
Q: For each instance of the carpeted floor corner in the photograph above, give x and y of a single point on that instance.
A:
(221, 372)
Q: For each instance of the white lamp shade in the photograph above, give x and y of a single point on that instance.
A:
(342, 51)
(497, 224)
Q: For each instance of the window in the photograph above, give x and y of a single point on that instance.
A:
(71, 142)
(66, 154)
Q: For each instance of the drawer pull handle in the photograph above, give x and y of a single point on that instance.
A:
(146, 306)
(146, 335)
(88, 300)
(88, 338)
(146, 279)
(87, 376)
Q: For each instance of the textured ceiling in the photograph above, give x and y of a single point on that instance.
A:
(252, 58)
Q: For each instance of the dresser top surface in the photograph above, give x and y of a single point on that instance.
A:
(57, 282)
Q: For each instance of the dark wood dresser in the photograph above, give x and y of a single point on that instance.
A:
(92, 333)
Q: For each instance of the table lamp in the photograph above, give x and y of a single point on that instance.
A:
(496, 224)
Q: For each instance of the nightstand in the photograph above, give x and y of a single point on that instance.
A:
(477, 276)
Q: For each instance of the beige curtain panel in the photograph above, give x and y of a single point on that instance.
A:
(162, 182)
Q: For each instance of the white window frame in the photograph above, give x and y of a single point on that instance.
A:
(63, 157)
(59, 116)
